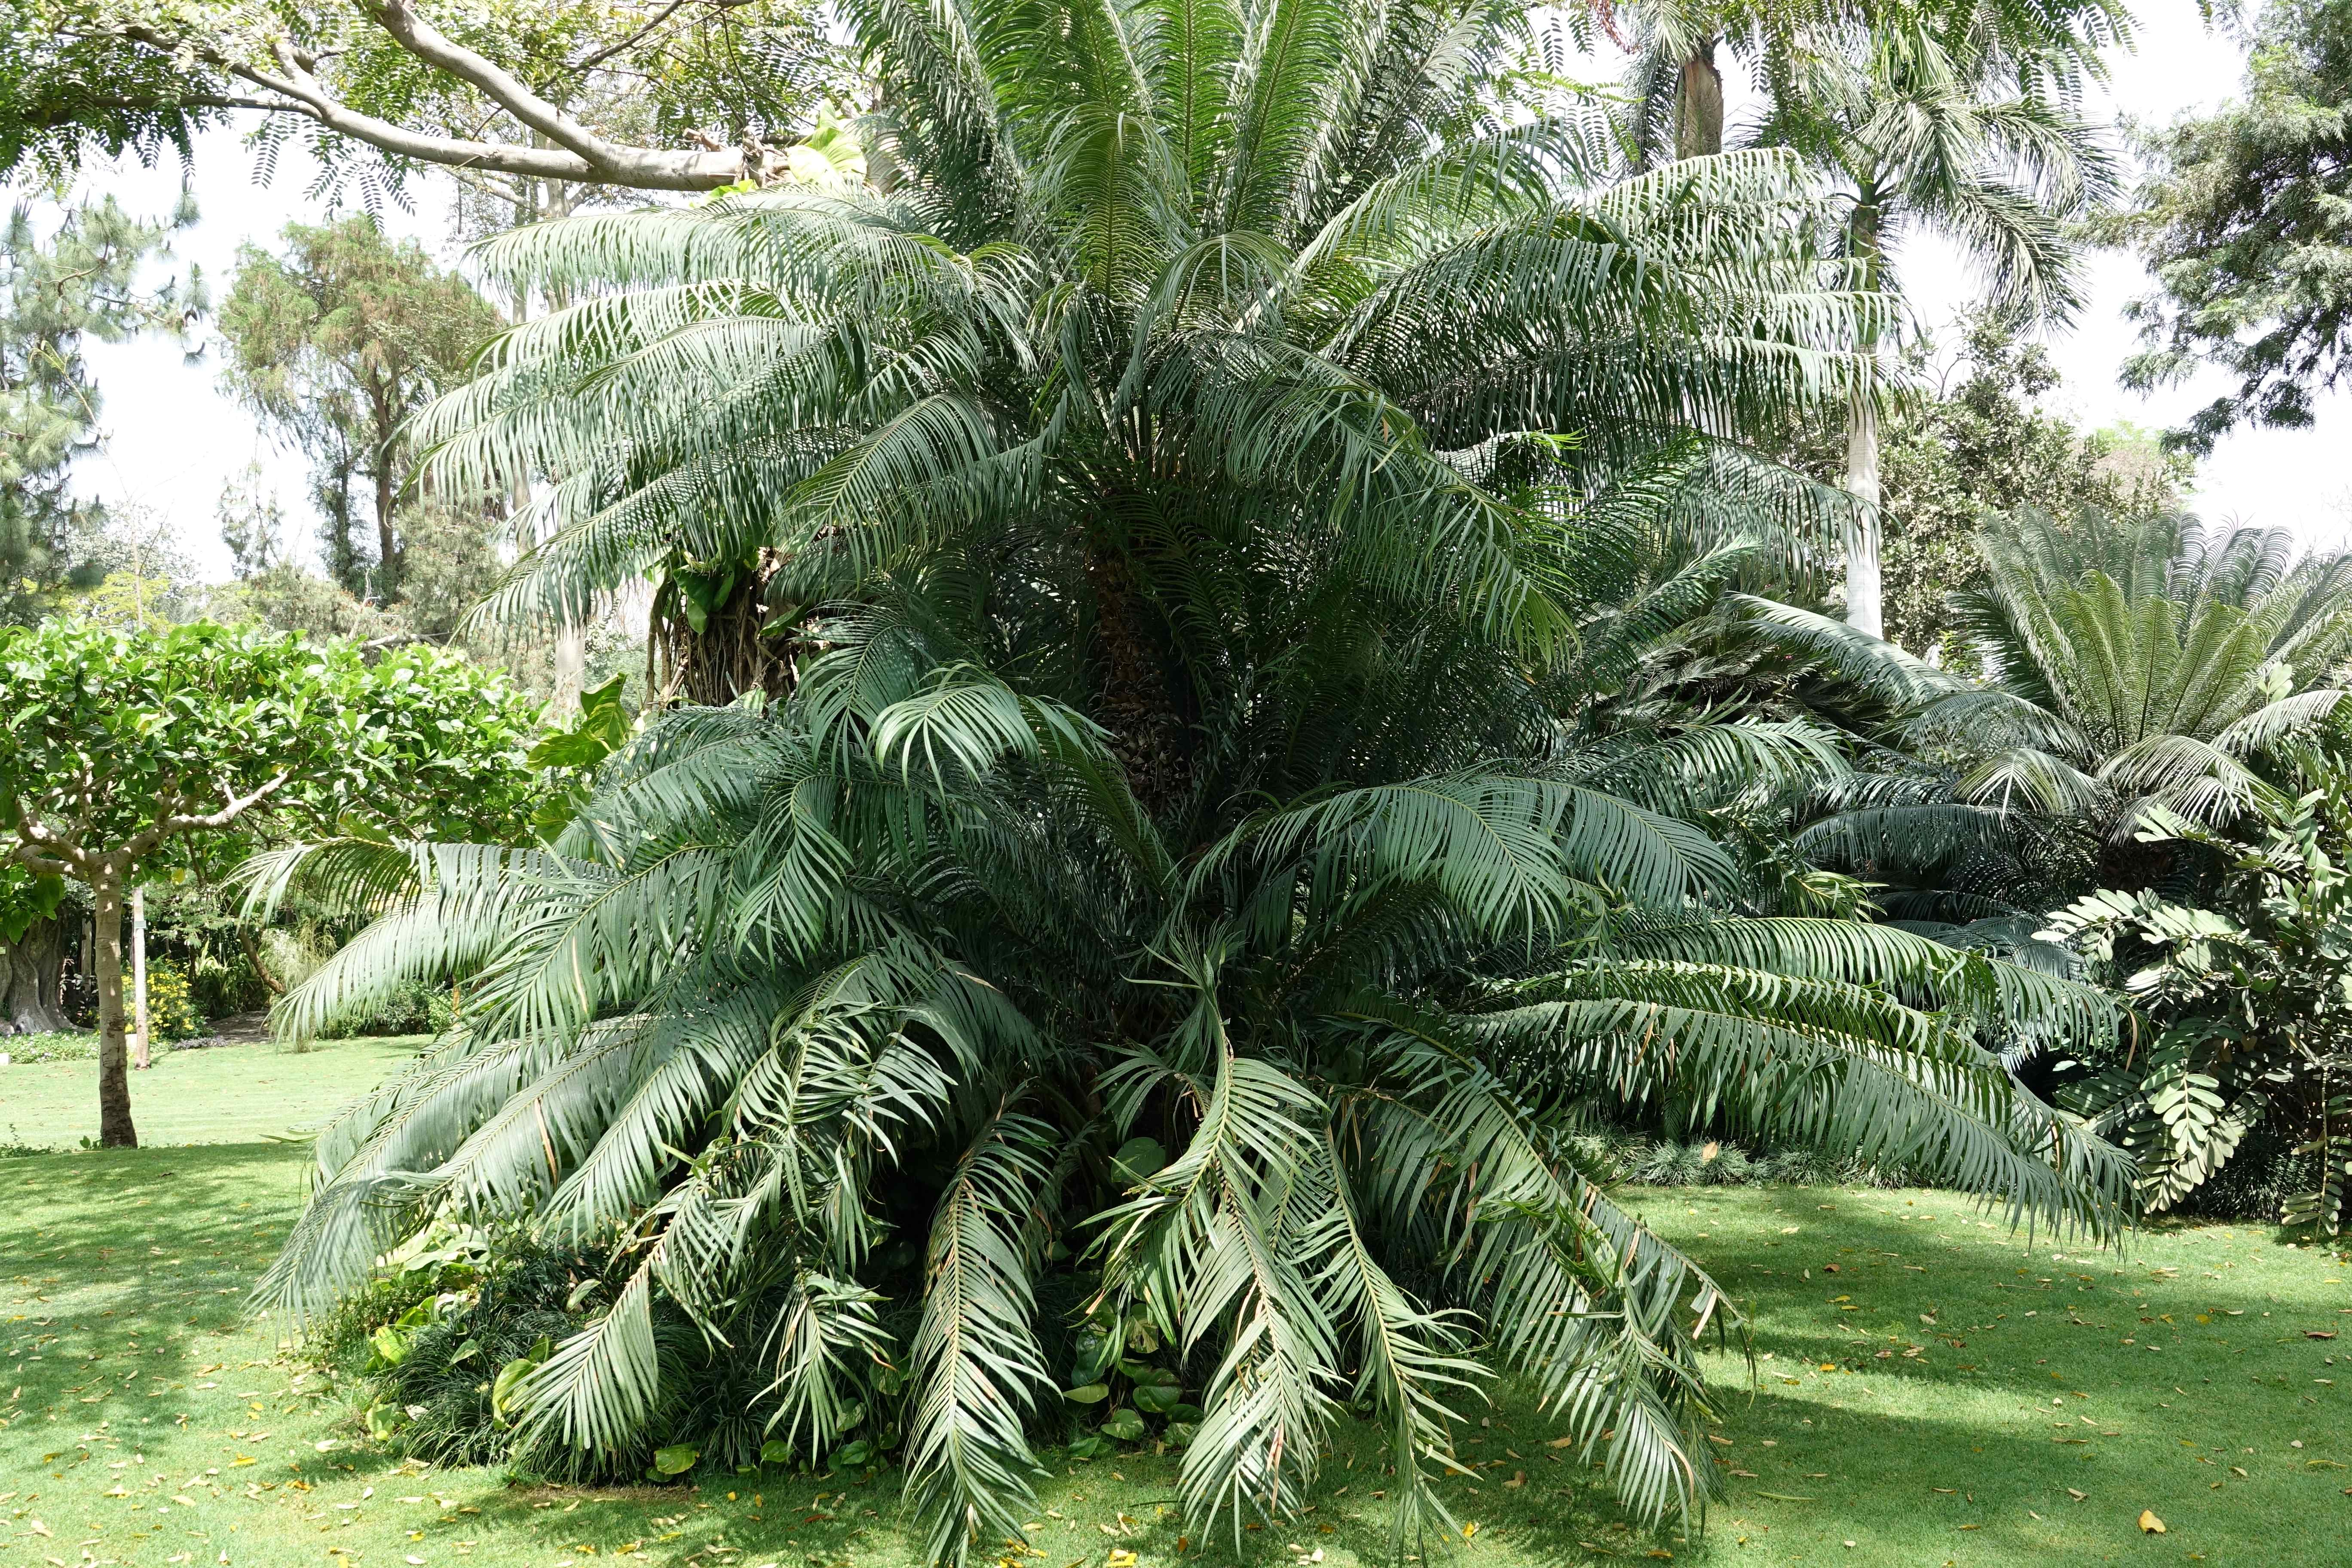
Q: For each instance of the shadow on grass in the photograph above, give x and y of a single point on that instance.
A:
(134, 1256)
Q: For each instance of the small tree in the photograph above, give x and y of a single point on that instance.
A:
(119, 748)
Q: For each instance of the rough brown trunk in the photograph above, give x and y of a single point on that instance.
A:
(1149, 734)
(251, 937)
(733, 652)
(1698, 106)
(114, 1128)
(32, 975)
(387, 542)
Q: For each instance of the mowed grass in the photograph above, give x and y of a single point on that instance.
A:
(144, 1419)
(223, 1094)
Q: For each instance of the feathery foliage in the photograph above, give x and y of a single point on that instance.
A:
(1210, 485)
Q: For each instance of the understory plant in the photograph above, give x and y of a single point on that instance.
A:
(2245, 994)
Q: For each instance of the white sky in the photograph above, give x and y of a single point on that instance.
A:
(176, 438)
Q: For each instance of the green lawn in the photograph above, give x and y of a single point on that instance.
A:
(225, 1094)
(144, 1421)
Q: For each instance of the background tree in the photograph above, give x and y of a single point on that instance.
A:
(60, 287)
(2242, 221)
(1974, 440)
(1929, 120)
(32, 950)
(627, 93)
(335, 344)
(115, 746)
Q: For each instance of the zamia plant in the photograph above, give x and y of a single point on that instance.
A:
(1208, 482)
(2246, 997)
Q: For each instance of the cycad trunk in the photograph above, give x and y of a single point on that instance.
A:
(1863, 591)
(114, 1128)
(734, 652)
(1137, 701)
(1699, 105)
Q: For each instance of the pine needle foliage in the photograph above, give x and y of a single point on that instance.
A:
(1211, 474)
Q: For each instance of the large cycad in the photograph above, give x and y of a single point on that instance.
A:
(1187, 870)
(2130, 665)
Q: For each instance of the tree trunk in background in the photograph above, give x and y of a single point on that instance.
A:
(250, 937)
(32, 977)
(114, 1128)
(142, 1031)
(1863, 599)
(1863, 596)
(1698, 106)
(571, 658)
(387, 541)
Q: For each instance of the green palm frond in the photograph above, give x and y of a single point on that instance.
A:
(977, 1367)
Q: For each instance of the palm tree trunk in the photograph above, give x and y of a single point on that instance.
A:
(1863, 595)
(114, 1128)
(1698, 106)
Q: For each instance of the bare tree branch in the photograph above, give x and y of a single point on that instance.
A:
(580, 156)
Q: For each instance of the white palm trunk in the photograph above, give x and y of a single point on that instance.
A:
(1863, 596)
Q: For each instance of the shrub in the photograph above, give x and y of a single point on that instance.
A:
(418, 1009)
(171, 1002)
(1712, 1162)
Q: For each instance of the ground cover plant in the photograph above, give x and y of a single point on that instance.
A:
(145, 1420)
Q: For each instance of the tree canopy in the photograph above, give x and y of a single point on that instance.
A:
(66, 279)
(336, 343)
(596, 92)
(118, 746)
(2242, 223)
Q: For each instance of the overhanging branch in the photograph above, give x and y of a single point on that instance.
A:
(289, 85)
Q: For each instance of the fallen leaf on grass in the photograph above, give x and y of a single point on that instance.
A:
(2150, 1524)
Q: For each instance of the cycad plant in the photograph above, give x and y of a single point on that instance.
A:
(1158, 943)
(2249, 1037)
(2131, 668)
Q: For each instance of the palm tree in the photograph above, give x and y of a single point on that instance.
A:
(2131, 665)
(1953, 125)
(1193, 883)
(1675, 79)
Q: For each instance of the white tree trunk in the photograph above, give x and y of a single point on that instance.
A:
(1863, 596)
(139, 1038)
